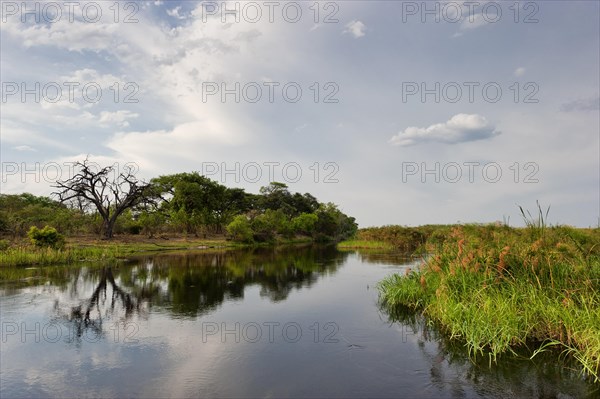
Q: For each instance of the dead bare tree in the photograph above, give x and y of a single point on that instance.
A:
(109, 193)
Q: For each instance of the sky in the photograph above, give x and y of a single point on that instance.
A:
(399, 112)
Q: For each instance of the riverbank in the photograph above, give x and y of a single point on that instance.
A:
(497, 288)
(364, 244)
(21, 252)
(86, 248)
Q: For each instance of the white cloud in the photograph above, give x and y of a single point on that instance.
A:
(24, 148)
(355, 28)
(585, 104)
(185, 143)
(460, 128)
(118, 118)
(73, 36)
(520, 71)
(170, 64)
(475, 21)
(174, 12)
(86, 89)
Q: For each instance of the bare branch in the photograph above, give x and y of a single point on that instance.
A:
(110, 196)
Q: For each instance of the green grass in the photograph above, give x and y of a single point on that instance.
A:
(498, 289)
(22, 254)
(364, 244)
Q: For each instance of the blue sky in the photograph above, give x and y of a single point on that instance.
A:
(366, 140)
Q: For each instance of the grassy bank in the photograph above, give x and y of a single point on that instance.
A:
(400, 238)
(497, 288)
(364, 244)
(78, 249)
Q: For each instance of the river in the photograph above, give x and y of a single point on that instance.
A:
(270, 322)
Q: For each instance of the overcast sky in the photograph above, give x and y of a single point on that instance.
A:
(399, 112)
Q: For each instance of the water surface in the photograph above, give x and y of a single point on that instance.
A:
(287, 322)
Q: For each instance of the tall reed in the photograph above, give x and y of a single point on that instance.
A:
(499, 288)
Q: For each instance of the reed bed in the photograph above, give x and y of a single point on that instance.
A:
(498, 288)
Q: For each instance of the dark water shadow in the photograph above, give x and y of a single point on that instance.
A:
(547, 375)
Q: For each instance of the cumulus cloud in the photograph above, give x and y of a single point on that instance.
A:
(73, 36)
(170, 64)
(355, 28)
(586, 104)
(186, 143)
(460, 128)
(174, 12)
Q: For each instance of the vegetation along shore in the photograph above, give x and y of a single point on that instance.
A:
(498, 289)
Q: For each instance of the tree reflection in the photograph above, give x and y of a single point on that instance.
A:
(188, 284)
(128, 302)
(107, 300)
(200, 282)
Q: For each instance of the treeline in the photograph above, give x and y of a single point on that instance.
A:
(189, 204)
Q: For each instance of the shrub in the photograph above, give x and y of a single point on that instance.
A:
(151, 222)
(239, 229)
(305, 223)
(4, 244)
(134, 228)
(267, 225)
(46, 237)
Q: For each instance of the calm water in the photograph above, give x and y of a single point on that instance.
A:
(295, 322)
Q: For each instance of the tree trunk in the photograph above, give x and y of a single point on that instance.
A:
(109, 226)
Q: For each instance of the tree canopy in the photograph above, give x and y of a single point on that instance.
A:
(101, 202)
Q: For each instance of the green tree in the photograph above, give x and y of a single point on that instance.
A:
(333, 224)
(305, 223)
(151, 222)
(276, 196)
(265, 226)
(239, 229)
(19, 211)
(200, 201)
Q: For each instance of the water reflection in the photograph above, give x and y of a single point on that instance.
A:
(89, 314)
(383, 257)
(138, 328)
(545, 376)
(188, 284)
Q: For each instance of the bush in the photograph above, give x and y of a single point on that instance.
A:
(151, 222)
(46, 237)
(267, 225)
(4, 244)
(134, 228)
(239, 229)
(305, 223)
